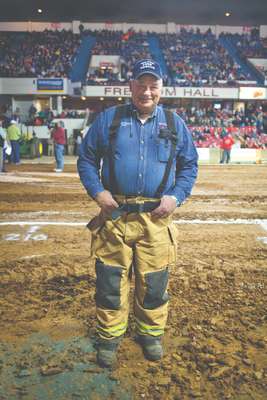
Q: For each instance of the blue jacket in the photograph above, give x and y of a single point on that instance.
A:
(140, 157)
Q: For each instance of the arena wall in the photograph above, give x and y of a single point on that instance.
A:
(238, 156)
(169, 27)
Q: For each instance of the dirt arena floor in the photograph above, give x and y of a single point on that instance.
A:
(216, 339)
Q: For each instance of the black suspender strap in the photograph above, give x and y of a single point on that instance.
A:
(120, 112)
(174, 137)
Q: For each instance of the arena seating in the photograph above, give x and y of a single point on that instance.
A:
(191, 58)
(209, 125)
(37, 54)
(244, 137)
(249, 45)
(195, 58)
(130, 46)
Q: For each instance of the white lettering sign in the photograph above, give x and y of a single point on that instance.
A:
(167, 92)
(30, 235)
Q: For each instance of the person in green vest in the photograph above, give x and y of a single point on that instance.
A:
(14, 136)
(2, 146)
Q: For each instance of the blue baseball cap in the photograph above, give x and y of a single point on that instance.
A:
(147, 66)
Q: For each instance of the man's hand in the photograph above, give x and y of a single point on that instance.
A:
(166, 207)
(106, 202)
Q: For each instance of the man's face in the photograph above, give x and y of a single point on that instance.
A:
(146, 93)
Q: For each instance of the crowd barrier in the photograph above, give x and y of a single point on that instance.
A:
(238, 156)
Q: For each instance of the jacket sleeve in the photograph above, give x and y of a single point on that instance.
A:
(186, 164)
(88, 163)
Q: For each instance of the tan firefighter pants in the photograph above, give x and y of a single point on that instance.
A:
(146, 245)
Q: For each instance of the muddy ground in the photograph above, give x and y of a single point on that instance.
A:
(216, 339)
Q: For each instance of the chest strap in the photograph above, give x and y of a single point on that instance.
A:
(120, 113)
(174, 138)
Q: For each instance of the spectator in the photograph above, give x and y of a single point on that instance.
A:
(2, 146)
(78, 143)
(59, 139)
(14, 136)
(32, 111)
(226, 145)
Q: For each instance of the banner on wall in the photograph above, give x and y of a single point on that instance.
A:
(252, 93)
(167, 92)
(200, 92)
(53, 84)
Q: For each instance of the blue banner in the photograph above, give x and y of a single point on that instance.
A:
(50, 84)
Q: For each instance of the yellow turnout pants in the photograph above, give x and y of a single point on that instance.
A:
(146, 245)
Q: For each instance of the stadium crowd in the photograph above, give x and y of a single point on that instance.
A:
(37, 54)
(209, 126)
(130, 46)
(192, 58)
(249, 44)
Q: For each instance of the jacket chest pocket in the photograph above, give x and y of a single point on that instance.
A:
(163, 150)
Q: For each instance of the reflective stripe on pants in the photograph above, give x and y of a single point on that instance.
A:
(146, 245)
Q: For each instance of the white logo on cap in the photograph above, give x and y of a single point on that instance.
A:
(147, 64)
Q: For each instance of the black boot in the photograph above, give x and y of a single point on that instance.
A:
(152, 347)
(107, 352)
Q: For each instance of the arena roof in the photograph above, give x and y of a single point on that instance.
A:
(202, 12)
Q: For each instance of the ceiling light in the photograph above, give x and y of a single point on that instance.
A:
(227, 14)
(40, 10)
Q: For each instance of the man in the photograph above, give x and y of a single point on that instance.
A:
(32, 112)
(226, 145)
(14, 136)
(79, 139)
(147, 171)
(2, 145)
(59, 138)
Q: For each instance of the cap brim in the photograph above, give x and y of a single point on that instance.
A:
(148, 73)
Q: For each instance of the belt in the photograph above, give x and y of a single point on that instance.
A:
(128, 208)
